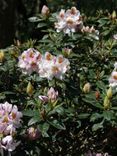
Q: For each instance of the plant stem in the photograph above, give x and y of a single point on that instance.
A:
(9, 153)
(1, 151)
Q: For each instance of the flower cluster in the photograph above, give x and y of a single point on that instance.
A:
(10, 119)
(52, 66)
(91, 30)
(69, 21)
(113, 77)
(52, 96)
(28, 61)
(48, 65)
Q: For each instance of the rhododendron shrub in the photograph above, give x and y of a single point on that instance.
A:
(62, 87)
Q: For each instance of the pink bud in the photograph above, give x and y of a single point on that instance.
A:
(45, 10)
(33, 133)
(52, 94)
(43, 98)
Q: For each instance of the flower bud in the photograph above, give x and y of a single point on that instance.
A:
(52, 94)
(106, 103)
(29, 89)
(87, 88)
(97, 95)
(67, 52)
(114, 15)
(43, 98)
(2, 56)
(109, 93)
(33, 133)
(45, 11)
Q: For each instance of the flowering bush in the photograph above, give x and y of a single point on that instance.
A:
(64, 86)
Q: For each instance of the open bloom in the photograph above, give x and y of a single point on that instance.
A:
(8, 143)
(113, 79)
(52, 66)
(28, 61)
(69, 21)
(10, 120)
(47, 66)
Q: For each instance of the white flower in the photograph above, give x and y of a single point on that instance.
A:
(113, 79)
(28, 61)
(52, 66)
(115, 36)
(8, 143)
(10, 119)
(69, 21)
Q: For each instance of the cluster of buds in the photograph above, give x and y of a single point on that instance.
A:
(47, 66)
(10, 120)
(52, 96)
(69, 21)
(113, 77)
(91, 30)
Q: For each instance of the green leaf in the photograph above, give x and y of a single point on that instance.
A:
(31, 113)
(34, 19)
(108, 115)
(95, 116)
(40, 25)
(33, 121)
(57, 124)
(44, 128)
(97, 126)
(83, 115)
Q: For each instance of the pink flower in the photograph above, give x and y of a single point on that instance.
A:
(113, 79)
(43, 98)
(8, 143)
(69, 21)
(33, 133)
(10, 119)
(52, 94)
(45, 10)
(28, 61)
(52, 66)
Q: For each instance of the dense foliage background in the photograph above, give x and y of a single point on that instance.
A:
(82, 117)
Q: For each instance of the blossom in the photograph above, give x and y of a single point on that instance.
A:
(33, 133)
(69, 21)
(113, 79)
(52, 96)
(45, 10)
(115, 36)
(8, 143)
(28, 61)
(52, 66)
(91, 30)
(10, 120)
(47, 65)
